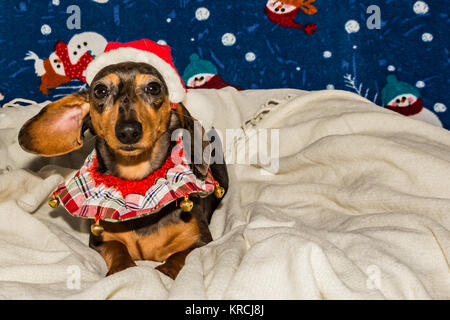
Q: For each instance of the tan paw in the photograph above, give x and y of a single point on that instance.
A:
(120, 267)
(170, 269)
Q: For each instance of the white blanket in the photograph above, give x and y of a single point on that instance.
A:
(358, 209)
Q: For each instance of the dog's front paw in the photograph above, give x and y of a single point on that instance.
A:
(120, 267)
(169, 269)
(174, 264)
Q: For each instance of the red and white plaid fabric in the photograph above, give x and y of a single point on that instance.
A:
(84, 197)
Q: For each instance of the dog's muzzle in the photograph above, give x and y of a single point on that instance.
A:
(129, 132)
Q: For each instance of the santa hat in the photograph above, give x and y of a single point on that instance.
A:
(144, 51)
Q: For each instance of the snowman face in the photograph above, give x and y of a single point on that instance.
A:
(199, 79)
(92, 42)
(279, 7)
(403, 100)
(57, 64)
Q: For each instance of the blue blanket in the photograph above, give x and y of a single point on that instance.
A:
(394, 53)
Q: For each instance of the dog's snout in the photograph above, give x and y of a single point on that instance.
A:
(129, 132)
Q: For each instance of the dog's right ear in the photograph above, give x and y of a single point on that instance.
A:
(57, 128)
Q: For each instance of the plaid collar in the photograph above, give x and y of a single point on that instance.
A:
(85, 195)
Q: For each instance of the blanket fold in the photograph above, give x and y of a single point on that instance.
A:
(356, 207)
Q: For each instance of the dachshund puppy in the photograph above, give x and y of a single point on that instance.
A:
(128, 110)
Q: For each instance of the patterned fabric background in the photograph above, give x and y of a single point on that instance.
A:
(395, 53)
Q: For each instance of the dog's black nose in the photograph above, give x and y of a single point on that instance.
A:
(129, 132)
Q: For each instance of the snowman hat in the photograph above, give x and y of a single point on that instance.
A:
(396, 88)
(197, 66)
(144, 51)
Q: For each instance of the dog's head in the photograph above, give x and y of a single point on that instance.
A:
(127, 106)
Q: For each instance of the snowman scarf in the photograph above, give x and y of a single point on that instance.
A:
(411, 110)
(73, 71)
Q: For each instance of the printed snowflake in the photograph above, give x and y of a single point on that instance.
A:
(350, 82)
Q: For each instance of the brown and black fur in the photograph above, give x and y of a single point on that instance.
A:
(168, 235)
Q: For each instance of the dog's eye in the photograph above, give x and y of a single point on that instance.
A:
(153, 88)
(101, 91)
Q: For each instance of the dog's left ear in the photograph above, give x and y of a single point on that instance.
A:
(196, 149)
(57, 128)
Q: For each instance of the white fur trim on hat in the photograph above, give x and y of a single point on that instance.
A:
(176, 89)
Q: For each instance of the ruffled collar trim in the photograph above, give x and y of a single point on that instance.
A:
(90, 194)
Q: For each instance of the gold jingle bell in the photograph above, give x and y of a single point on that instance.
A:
(53, 202)
(219, 191)
(186, 205)
(97, 229)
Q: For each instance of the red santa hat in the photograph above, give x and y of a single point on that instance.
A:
(145, 51)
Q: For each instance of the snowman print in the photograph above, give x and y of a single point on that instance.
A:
(69, 61)
(199, 80)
